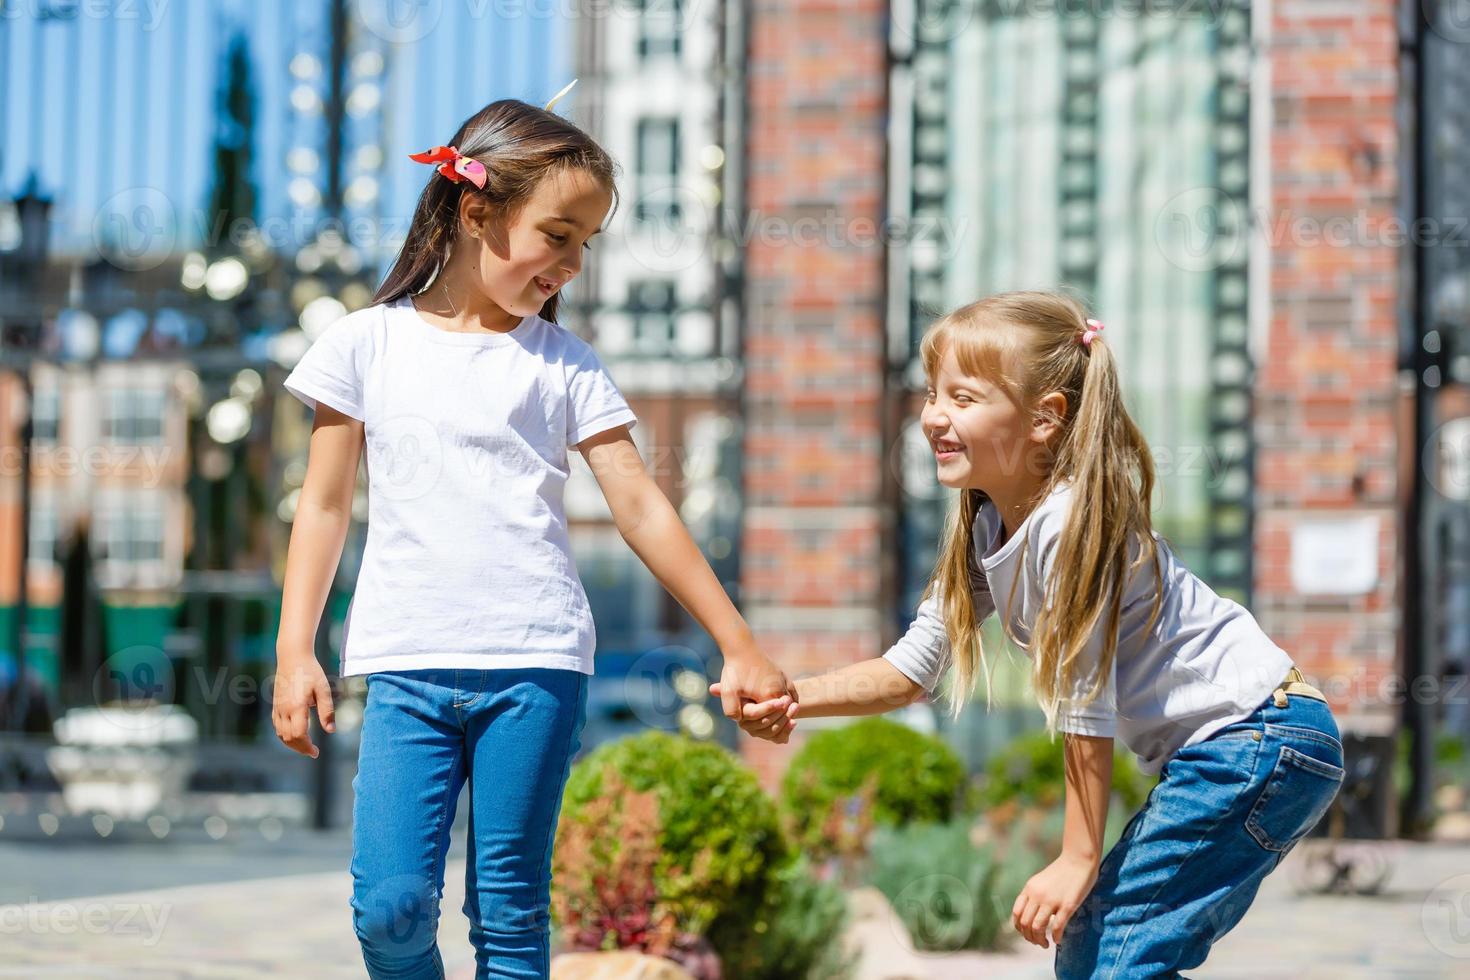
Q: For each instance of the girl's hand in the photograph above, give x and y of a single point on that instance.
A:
(750, 676)
(300, 682)
(1046, 904)
(771, 720)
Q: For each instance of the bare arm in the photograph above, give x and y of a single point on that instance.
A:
(1049, 900)
(318, 532)
(652, 528)
(871, 687)
(910, 668)
(1089, 779)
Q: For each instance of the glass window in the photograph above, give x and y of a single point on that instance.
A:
(659, 28)
(131, 528)
(657, 162)
(42, 545)
(652, 307)
(46, 415)
(133, 415)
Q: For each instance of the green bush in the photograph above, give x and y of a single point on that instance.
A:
(1031, 771)
(665, 842)
(874, 770)
(950, 894)
(797, 935)
(717, 843)
(954, 884)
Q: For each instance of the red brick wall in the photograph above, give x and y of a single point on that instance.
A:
(1327, 391)
(811, 562)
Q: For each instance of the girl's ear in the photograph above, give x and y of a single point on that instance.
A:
(475, 214)
(1050, 410)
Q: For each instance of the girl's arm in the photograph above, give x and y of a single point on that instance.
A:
(318, 532)
(912, 667)
(871, 687)
(652, 528)
(1089, 779)
(1053, 894)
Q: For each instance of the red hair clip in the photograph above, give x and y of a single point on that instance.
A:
(453, 164)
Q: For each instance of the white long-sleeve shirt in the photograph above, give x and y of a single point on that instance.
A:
(1205, 664)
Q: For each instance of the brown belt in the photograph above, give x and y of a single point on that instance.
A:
(1295, 683)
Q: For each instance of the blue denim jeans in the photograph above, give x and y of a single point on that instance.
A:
(512, 735)
(1187, 866)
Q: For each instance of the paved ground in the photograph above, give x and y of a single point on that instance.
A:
(280, 923)
(1418, 927)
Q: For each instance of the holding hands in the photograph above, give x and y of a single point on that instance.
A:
(757, 695)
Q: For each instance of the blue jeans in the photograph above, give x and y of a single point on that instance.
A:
(512, 734)
(1187, 866)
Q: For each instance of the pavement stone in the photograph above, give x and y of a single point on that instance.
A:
(291, 926)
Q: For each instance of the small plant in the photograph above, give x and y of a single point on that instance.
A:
(950, 893)
(669, 846)
(606, 895)
(797, 936)
(846, 781)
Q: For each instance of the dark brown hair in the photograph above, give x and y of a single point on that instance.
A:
(520, 145)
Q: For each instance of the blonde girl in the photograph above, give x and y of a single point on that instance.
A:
(468, 618)
(1052, 532)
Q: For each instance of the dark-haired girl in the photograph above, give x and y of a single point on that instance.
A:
(468, 618)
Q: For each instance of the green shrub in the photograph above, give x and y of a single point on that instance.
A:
(713, 851)
(874, 770)
(797, 936)
(950, 894)
(1031, 771)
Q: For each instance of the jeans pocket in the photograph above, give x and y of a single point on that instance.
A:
(1295, 796)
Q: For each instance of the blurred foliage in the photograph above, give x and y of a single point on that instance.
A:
(796, 935)
(1031, 770)
(950, 893)
(875, 772)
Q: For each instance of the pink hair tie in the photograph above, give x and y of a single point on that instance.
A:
(453, 164)
(1094, 327)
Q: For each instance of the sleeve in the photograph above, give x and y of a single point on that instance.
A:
(1100, 717)
(594, 403)
(923, 654)
(331, 370)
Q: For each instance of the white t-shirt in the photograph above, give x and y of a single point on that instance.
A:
(467, 561)
(1205, 664)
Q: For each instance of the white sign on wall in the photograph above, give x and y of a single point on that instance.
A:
(1336, 556)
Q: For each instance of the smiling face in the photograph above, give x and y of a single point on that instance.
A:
(981, 437)
(523, 262)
